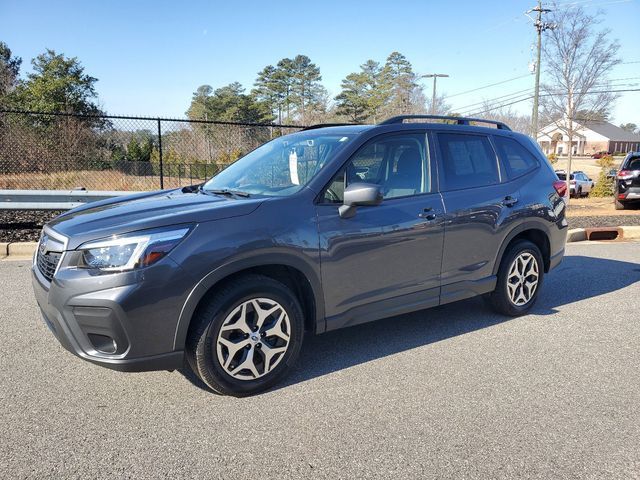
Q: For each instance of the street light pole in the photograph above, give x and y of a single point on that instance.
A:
(433, 96)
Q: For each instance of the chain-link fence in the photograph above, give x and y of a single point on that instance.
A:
(65, 151)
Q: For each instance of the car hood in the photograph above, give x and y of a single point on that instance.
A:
(129, 213)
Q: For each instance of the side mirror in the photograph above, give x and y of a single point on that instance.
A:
(359, 194)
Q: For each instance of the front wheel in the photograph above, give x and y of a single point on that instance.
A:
(519, 279)
(245, 337)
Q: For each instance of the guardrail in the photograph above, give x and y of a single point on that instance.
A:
(52, 199)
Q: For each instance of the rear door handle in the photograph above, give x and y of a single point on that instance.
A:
(427, 214)
(509, 201)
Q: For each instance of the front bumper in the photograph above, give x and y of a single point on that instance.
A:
(124, 321)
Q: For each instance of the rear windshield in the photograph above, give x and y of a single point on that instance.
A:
(563, 176)
(633, 164)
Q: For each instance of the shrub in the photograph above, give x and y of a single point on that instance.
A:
(604, 185)
(606, 161)
(552, 157)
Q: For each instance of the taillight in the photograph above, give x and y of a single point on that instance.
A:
(560, 187)
(625, 174)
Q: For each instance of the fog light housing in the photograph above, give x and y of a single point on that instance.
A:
(103, 343)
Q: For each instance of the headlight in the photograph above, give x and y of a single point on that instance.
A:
(130, 251)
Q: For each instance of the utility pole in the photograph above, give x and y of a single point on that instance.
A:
(433, 96)
(540, 26)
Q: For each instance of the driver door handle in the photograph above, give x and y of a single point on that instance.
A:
(427, 214)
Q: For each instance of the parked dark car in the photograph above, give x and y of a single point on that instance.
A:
(627, 183)
(600, 154)
(322, 229)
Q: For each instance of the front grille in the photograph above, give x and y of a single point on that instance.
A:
(47, 263)
(48, 256)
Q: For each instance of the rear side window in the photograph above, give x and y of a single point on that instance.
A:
(517, 159)
(468, 161)
(633, 164)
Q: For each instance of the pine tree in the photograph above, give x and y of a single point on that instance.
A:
(353, 100)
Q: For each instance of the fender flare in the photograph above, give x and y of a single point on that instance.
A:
(237, 265)
(533, 224)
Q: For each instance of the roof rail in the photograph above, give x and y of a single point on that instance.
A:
(322, 125)
(458, 120)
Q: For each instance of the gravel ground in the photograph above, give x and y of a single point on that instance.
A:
(604, 221)
(451, 392)
(23, 226)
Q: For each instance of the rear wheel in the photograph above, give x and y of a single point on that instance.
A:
(519, 279)
(246, 337)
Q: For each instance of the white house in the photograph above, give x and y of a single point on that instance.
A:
(590, 137)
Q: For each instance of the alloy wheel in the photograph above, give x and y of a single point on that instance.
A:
(253, 339)
(522, 280)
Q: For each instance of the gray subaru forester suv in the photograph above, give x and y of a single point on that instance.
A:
(326, 228)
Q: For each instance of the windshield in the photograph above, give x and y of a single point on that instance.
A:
(280, 167)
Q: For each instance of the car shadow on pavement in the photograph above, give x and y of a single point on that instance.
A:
(577, 278)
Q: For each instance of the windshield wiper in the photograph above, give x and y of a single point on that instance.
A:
(230, 193)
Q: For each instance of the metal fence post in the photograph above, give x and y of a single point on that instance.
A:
(160, 154)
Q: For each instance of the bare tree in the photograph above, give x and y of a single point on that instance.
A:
(578, 60)
(506, 114)
(442, 107)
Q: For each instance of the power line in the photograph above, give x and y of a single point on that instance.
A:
(624, 90)
(492, 100)
(514, 95)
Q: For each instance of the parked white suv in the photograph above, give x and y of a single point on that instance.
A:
(580, 184)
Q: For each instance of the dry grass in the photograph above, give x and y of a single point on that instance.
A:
(89, 179)
(593, 206)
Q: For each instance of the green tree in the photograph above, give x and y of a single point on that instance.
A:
(228, 104)
(57, 84)
(306, 88)
(353, 100)
(629, 127)
(271, 90)
(378, 88)
(9, 72)
(397, 75)
(198, 108)
(283, 78)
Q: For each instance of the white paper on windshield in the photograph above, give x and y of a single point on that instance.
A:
(293, 167)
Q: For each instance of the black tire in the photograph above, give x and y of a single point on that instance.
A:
(499, 299)
(201, 351)
(579, 193)
(619, 205)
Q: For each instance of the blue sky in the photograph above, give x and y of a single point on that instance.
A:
(149, 56)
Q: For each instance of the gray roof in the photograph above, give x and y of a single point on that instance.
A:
(610, 131)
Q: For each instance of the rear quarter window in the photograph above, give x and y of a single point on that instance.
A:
(516, 158)
(633, 164)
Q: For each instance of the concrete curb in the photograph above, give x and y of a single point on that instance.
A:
(624, 233)
(17, 250)
(576, 235)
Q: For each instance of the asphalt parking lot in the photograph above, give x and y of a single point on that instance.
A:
(450, 392)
